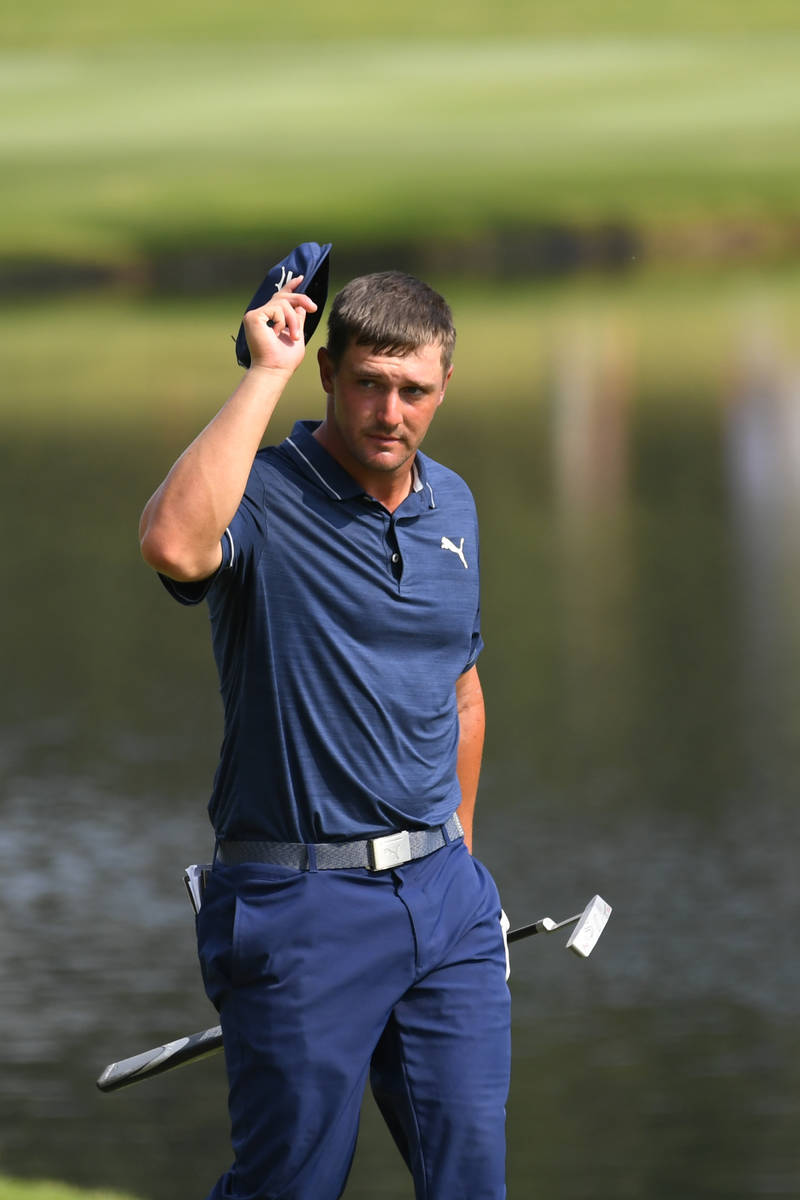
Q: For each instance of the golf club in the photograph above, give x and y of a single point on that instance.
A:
(589, 924)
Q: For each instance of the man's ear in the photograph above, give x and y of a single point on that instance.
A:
(446, 381)
(326, 370)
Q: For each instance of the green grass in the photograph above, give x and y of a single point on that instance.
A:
(20, 1189)
(113, 22)
(122, 152)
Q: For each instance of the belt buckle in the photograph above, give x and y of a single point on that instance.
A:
(392, 850)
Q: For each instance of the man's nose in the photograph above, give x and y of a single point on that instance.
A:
(389, 409)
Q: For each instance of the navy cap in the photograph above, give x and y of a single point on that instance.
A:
(310, 260)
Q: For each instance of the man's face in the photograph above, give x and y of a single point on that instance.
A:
(380, 406)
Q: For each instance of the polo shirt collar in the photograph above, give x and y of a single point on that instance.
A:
(322, 468)
(318, 465)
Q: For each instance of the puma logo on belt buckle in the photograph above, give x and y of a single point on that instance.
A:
(390, 851)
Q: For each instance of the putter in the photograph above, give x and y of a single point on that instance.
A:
(589, 924)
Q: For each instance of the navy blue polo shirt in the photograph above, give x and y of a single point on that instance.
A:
(339, 632)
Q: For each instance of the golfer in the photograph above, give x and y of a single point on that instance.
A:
(346, 931)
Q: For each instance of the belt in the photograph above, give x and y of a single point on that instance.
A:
(376, 854)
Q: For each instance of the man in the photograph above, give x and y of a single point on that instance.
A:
(346, 932)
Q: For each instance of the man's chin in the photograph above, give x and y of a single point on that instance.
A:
(380, 456)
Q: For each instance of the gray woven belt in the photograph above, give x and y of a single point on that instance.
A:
(377, 854)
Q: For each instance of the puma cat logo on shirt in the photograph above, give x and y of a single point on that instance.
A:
(459, 549)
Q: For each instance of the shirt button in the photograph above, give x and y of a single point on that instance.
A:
(395, 557)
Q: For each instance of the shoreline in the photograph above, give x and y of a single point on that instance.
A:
(541, 251)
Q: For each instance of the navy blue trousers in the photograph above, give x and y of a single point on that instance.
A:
(326, 979)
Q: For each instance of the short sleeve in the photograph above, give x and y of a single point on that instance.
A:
(194, 591)
(476, 644)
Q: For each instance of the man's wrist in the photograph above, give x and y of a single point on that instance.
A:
(281, 375)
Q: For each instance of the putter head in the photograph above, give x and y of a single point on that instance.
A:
(590, 925)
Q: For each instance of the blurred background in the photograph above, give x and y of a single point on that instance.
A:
(608, 197)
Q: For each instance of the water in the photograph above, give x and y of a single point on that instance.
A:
(643, 637)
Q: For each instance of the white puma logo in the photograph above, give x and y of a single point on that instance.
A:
(459, 549)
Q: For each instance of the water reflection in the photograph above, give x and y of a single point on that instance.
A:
(591, 394)
(763, 460)
(640, 586)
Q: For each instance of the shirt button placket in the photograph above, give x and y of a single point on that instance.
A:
(395, 557)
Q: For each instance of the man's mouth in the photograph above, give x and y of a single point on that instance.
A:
(389, 438)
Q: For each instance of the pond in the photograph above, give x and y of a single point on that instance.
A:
(641, 581)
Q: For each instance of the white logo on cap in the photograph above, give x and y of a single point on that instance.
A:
(285, 279)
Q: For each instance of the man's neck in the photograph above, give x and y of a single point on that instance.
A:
(389, 488)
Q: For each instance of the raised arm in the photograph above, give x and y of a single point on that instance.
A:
(183, 522)
(472, 724)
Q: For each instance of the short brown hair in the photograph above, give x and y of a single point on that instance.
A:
(392, 312)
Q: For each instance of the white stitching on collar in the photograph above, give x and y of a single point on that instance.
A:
(321, 478)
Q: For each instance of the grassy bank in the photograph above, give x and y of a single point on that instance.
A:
(21, 1189)
(112, 22)
(123, 153)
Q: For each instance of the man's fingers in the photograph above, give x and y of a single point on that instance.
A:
(284, 318)
(285, 311)
(296, 299)
(293, 321)
(277, 325)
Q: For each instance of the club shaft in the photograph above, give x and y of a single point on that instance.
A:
(208, 1041)
(539, 927)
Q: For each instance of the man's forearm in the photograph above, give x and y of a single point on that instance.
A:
(183, 522)
(472, 725)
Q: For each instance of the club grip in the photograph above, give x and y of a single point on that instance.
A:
(160, 1059)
